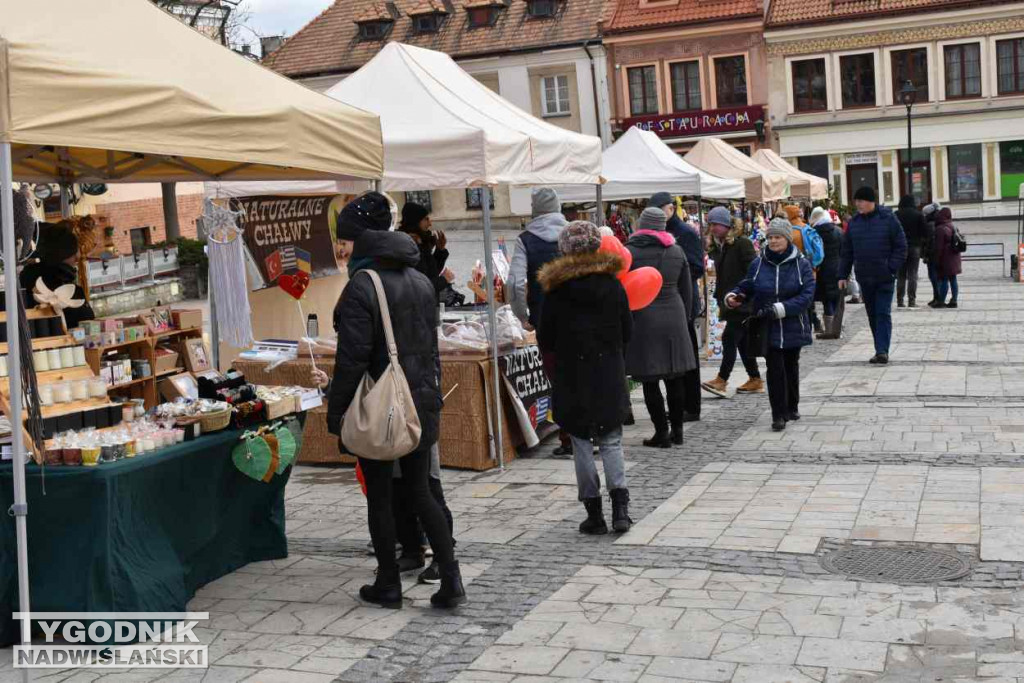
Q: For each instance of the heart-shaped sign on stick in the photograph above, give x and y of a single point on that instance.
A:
(294, 285)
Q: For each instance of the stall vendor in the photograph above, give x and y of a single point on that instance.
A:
(57, 266)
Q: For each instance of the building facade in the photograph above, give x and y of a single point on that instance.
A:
(689, 68)
(544, 56)
(837, 75)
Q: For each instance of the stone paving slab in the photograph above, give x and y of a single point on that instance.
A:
(965, 334)
(995, 354)
(913, 380)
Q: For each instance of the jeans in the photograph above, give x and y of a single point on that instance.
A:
(732, 342)
(947, 284)
(691, 402)
(906, 282)
(830, 305)
(878, 304)
(415, 489)
(655, 402)
(783, 381)
(933, 275)
(587, 482)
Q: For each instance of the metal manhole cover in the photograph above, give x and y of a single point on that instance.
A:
(897, 565)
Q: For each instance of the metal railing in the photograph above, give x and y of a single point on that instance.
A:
(136, 268)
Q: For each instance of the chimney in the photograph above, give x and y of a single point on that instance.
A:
(270, 44)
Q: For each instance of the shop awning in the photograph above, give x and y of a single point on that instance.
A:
(722, 159)
(118, 90)
(640, 164)
(801, 184)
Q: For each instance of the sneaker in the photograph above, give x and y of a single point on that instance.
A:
(779, 425)
(912, 304)
(855, 300)
(754, 385)
(431, 574)
(899, 304)
(717, 386)
(936, 304)
(951, 304)
(880, 359)
(793, 416)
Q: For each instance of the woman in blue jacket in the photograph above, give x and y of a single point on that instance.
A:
(781, 285)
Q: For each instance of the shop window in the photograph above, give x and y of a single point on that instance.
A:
(857, 77)
(743, 148)
(963, 70)
(1011, 163)
(920, 174)
(731, 81)
(965, 176)
(482, 16)
(541, 8)
(810, 89)
(1010, 66)
(816, 165)
(373, 30)
(910, 65)
(556, 96)
(474, 200)
(685, 86)
(140, 239)
(427, 23)
(643, 90)
(421, 197)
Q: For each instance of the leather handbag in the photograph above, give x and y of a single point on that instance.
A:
(381, 423)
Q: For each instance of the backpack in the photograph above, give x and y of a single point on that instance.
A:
(957, 242)
(814, 247)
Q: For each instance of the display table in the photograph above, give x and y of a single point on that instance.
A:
(464, 439)
(141, 534)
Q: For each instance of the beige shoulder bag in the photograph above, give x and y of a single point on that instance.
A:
(381, 423)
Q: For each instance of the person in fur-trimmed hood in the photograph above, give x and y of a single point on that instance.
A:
(585, 325)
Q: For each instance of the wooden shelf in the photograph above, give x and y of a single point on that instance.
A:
(172, 333)
(125, 385)
(38, 311)
(172, 371)
(42, 343)
(58, 409)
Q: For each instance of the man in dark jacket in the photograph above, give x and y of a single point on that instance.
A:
(826, 289)
(585, 326)
(534, 248)
(432, 245)
(692, 245)
(914, 230)
(875, 243)
(362, 350)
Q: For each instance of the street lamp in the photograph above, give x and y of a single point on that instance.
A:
(908, 95)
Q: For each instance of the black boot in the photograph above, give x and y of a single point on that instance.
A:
(386, 591)
(594, 524)
(661, 439)
(677, 435)
(620, 510)
(452, 593)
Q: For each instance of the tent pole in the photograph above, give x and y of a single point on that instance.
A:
(65, 201)
(485, 203)
(20, 508)
(600, 206)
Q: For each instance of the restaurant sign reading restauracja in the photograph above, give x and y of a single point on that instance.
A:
(706, 122)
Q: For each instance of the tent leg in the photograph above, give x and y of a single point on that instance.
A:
(599, 207)
(214, 327)
(485, 203)
(20, 508)
(65, 201)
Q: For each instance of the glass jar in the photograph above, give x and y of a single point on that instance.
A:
(97, 387)
(67, 356)
(80, 389)
(61, 392)
(79, 354)
(3, 366)
(41, 361)
(46, 394)
(53, 359)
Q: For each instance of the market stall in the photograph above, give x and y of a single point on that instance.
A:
(722, 159)
(801, 184)
(159, 103)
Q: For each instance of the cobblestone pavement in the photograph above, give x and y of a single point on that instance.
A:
(721, 579)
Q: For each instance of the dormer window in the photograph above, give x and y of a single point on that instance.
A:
(540, 9)
(373, 30)
(427, 23)
(482, 16)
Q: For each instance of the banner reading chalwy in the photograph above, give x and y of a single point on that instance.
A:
(288, 233)
(530, 390)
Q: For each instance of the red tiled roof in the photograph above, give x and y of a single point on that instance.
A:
(375, 11)
(428, 7)
(330, 43)
(628, 15)
(783, 13)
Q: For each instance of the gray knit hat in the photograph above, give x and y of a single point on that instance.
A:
(652, 219)
(543, 201)
(579, 237)
(780, 227)
(720, 215)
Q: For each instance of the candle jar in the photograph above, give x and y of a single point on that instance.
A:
(150, 443)
(61, 392)
(129, 448)
(97, 387)
(72, 455)
(179, 435)
(3, 366)
(91, 455)
(79, 355)
(53, 359)
(54, 455)
(46, 394)
(41, 361)
(67, 356)
(80, 389)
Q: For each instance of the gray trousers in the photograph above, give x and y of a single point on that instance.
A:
(906, 281)
(587, 481)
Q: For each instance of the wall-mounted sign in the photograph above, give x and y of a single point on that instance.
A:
(706, 122)
(858, 158)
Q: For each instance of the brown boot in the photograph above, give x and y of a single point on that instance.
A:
(754, 385)
(717, 386)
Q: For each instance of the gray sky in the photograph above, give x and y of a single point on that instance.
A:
(283, 17)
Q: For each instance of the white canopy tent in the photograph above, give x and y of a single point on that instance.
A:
(801, 184)
(113, 91)
(640, 164)
(722, 159)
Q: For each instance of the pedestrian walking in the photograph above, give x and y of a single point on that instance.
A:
(536, 246)
(688, 237)
(780, 288)
(914, 230)
(930, 213)
(875, 244)
(826, 289)
(363, 349)
(585, 326)
(732, 253)
(948, 263)
(661, 350)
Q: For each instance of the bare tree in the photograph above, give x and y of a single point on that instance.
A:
(225, 21)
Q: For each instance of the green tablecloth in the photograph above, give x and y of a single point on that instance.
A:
(138, 535)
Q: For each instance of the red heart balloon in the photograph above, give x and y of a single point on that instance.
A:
(295, 285)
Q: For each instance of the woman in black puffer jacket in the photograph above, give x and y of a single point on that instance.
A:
(361, 349)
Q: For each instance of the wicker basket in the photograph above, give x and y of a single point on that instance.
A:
(209, 422)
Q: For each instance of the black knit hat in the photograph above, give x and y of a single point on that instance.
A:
(56, 244)
(371, 211)
(867, 194)
(412, 214)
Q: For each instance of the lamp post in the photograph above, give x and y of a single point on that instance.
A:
(908, 95)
